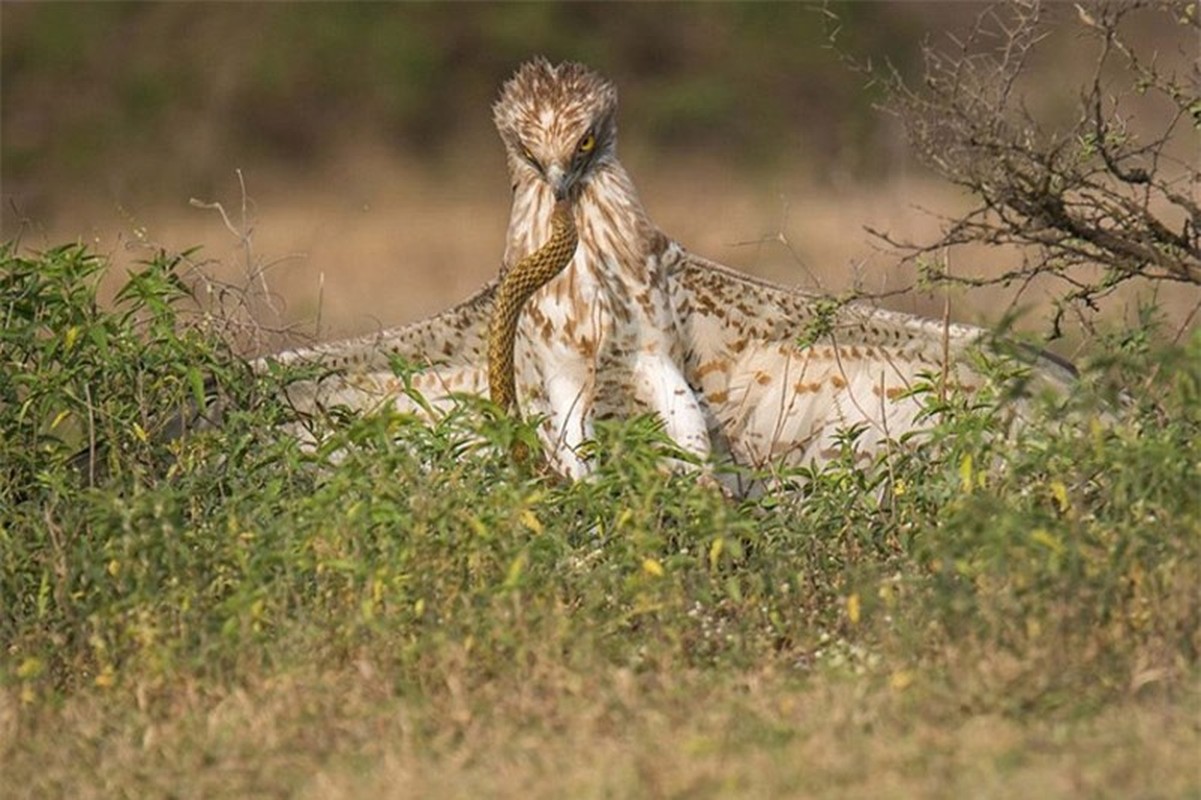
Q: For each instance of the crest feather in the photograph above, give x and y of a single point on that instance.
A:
(568, 92)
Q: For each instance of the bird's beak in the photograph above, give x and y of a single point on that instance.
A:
(560, 181)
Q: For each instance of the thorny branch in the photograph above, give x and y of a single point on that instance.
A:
(1093, 206)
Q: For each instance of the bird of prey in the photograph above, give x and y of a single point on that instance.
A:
(737, 369)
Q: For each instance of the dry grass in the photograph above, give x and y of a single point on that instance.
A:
(379, 241)
(370, 241)
(617, 733)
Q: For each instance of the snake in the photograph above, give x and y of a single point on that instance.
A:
(516, 286)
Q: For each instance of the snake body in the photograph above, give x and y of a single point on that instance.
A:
(516, 287)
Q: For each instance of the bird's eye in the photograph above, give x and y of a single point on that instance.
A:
(587, 144)
(528, 156)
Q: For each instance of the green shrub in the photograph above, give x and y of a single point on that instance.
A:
(1055, 566)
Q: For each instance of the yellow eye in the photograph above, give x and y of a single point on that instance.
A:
(587, 143)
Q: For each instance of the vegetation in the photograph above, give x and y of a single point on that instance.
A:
(405, 596)
(403, 610)
(1103, 201)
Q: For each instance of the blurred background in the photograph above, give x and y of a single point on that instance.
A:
(353, 142)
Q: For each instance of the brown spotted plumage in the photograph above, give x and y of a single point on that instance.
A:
(636, 324)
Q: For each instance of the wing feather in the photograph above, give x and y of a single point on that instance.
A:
(780, 381)
(449, 349)
(773, 391)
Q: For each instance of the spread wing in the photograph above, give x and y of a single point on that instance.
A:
(783, 371)
(780, 371)
(449, 349)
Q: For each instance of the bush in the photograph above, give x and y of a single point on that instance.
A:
(1067, 551)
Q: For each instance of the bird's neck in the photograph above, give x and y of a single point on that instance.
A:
(607, 209)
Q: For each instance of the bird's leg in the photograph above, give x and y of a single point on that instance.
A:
(658, 375)
(660, 384)
(569, 422)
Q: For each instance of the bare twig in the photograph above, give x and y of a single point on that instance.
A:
(1093, 206)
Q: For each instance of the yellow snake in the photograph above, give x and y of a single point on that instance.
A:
(530, 274)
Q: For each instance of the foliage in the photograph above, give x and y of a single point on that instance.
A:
(199, 609)
(1050, 571)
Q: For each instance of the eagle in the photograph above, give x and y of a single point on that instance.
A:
(737, 369)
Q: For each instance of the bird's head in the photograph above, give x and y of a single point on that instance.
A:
(558, 124)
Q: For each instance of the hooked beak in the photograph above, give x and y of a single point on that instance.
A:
(560, 181)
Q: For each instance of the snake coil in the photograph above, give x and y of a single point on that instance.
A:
(518, 284)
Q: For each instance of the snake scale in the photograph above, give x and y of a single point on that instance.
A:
(516, 287)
